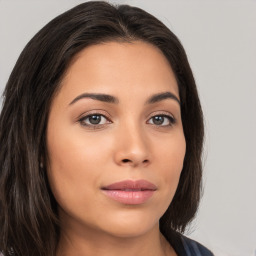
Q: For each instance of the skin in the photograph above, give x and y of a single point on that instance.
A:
(127, 144)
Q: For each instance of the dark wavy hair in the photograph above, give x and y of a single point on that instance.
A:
(28, 211)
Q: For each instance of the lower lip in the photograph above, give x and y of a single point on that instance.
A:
(129, 197)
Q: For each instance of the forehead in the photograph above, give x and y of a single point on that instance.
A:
(110, 67)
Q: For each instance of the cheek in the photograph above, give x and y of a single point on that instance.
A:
(73, 150)
(74, 161)
(171, 163)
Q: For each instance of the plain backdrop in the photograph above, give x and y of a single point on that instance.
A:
(220, 40)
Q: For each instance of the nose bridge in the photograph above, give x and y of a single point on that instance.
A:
(132, 148)
(136, 138)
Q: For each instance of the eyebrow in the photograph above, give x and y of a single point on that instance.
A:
(96, 96)
(111, 99)
(162, 96)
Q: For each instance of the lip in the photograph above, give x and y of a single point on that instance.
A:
(130, 192)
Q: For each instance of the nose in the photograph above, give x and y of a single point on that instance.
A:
(132, 148)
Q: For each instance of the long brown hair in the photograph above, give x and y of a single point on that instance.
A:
(28, 210)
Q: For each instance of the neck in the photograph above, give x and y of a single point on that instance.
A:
(91, 242)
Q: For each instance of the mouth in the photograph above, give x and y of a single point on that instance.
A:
(130, 192)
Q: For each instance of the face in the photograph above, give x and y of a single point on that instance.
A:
(115, 140)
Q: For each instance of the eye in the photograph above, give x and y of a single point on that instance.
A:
(162, 120)
(94, 120)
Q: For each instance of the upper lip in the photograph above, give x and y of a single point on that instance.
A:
(131, 185)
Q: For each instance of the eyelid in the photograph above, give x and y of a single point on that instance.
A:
(108, 117)
(163, 113)
(95, 112)
(87, 114)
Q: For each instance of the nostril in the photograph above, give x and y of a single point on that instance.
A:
(130, 161)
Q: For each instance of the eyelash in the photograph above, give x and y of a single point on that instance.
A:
(94, 126)
(170, 118)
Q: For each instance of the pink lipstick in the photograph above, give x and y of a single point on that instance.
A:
(130, 192)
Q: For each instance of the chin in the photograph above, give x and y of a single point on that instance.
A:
(130, 225)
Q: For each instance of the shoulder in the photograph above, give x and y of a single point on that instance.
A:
(194, 248)
(185, 246)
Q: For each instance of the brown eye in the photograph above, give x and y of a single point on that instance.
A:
(93, 120)
(158, 120)
(162, 120)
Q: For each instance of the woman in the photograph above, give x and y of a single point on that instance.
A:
(101, 137)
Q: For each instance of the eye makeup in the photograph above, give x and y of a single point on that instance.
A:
(98, 119)
(162, 119)
(94, 119)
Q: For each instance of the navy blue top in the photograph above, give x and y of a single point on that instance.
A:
(189, 247)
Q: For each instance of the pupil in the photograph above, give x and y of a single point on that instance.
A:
(158, 120)
(94, 119)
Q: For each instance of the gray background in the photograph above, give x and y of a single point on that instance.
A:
(220, 40)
